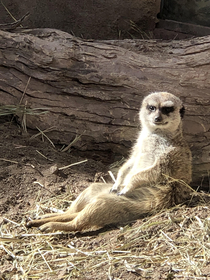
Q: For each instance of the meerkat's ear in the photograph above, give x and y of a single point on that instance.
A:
(182, 112)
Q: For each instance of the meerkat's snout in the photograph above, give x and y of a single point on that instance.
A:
(158, 118)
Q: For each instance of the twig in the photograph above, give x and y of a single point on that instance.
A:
(73, 142)
(43, 156)
(5, 219)
(7, 251)
(46, 137)
(45, 260)
(102, 178)
(12, 161)
(43, 134)
(44, 131)
(27, 164)
(70, 165)
(112, 176)
(42, 186)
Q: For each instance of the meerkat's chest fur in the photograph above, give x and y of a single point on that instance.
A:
(149, 147)
(147, 150)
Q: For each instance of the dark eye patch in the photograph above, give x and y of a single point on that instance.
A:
(151, 108)
(167, 110)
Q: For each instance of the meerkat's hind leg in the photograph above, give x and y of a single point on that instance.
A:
(112, 209)
(88, 195)
(62, 218)
(103, 210)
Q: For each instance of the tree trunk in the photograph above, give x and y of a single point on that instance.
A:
(95, 88)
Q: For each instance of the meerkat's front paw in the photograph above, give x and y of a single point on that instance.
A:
(114, 188)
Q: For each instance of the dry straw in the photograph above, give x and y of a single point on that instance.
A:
(176, 241)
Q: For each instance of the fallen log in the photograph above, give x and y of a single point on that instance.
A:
(94, 88)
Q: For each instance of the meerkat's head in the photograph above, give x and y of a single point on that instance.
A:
(161, 111)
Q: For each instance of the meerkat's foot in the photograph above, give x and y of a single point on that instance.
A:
(54, 226)
(48, 227)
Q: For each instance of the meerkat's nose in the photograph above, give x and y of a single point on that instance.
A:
(158, 118)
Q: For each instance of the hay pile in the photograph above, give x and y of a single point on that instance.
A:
(174, 244)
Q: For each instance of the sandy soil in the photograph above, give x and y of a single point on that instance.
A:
(27, 178)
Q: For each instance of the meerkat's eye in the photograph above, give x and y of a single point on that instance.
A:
(167, 110)
(151, 108)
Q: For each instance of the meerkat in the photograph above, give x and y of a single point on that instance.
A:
(156, 176)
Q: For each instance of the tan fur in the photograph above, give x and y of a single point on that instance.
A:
(153, 178)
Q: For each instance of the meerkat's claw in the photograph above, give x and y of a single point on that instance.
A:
(28, 224)
(113, 190)
(121, 193)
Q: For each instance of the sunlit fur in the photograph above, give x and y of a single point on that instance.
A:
(154, 177)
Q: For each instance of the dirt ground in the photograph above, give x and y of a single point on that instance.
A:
(161, 247)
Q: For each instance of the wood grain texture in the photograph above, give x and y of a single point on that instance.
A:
(95, 88)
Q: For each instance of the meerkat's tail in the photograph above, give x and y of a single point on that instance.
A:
(154, 199)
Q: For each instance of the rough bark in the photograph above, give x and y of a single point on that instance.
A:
(95, 88)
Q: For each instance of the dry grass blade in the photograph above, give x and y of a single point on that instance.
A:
(29, 79)
(42, 133)
(20, 109)
(23, 121)
(9, 239)
(136, 28)
(73, 142)
(8, 11)
(16, 23)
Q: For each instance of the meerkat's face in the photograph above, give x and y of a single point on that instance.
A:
(161, 111)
